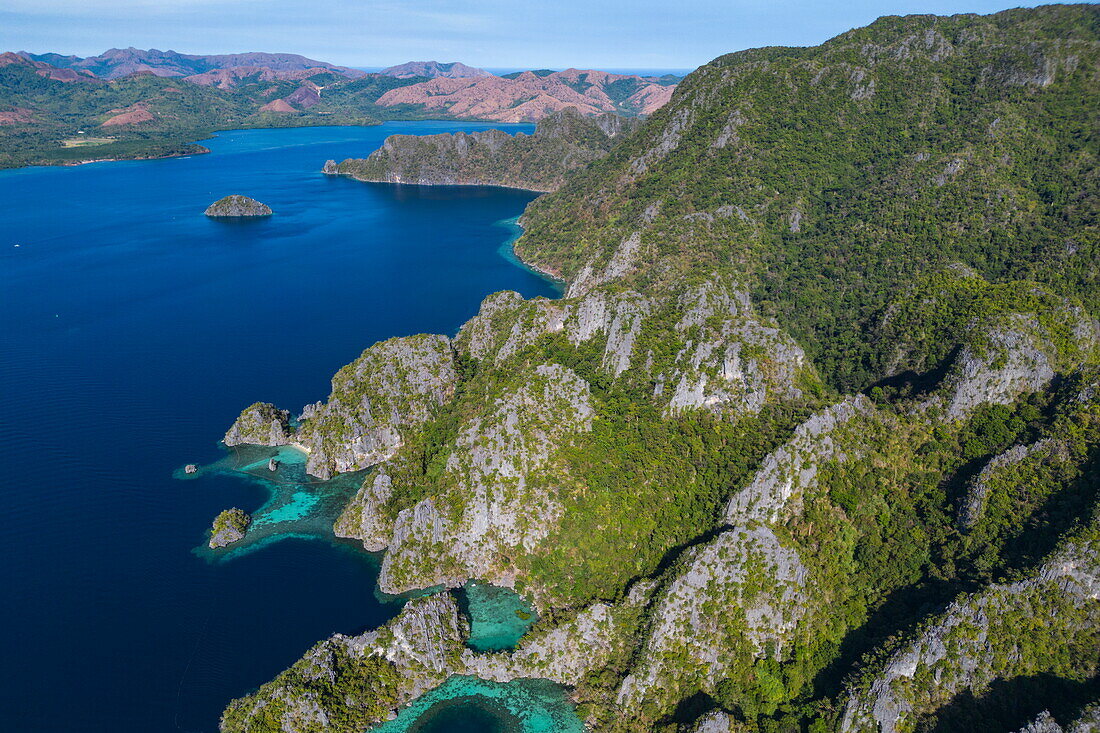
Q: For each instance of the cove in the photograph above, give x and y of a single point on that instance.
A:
(134, 331)
(499, 617)
(470, 705)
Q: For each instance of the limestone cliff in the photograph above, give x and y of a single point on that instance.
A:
(563, 142)
(1023, 628)
(392, 388)
(261, 423)
(395, 385)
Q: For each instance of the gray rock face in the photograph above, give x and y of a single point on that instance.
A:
(714, 722)
(237, 206)
(363, 518)
(978, 491)
(1017, 356)
(732, 361)
(229, 527)
(1043, 723)
(564, 653)
(260, 424)
(497, 500)
(744, 585)
(791, 471)
(507, 324)
(393, 386)
(979, 639)
(426, 644)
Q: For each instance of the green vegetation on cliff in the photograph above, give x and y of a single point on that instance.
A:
(826, 177)
(817, 418)
(562, 143)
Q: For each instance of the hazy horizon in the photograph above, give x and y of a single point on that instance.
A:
(490, 34)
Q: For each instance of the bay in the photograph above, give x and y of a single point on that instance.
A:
(132, 330)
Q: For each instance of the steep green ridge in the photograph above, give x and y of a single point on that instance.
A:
(827, 176)
(812, 440)
(563, 142)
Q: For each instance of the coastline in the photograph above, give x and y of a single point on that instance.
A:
(354, 177)
(508, 251)
(201, 150)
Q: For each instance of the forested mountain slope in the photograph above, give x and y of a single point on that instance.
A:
(810, 443)
(824, 177)
(562, 143)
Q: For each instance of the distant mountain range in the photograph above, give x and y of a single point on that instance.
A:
(434, 70)
(119, 62)
(530, 96)
(151, 103)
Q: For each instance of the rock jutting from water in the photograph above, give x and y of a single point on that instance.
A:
(229, 527)
(236, 205)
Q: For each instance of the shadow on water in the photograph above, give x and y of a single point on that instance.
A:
(1012, 704)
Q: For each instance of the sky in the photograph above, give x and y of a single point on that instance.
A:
(602, 34)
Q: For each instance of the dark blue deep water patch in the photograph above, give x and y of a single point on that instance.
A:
(133, 331)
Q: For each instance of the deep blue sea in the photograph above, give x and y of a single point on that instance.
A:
(132, 331)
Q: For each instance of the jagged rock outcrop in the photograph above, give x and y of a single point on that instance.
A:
(732, 361)
(395, 385)
(229, 527)
(392, 387)
(789, 473)
(1008, 630)
(417, 651)
(506, 324)
(353, 682)
(565, 653)
(236, 205)
(978, 491)
(496, 500)
(743, 585)
(1019, 354)
(744, 593)
(363, 518)
(714, 722)
(563, 142)
(261, 423)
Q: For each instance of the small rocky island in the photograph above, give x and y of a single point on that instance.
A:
(236, 205)
(229, 527)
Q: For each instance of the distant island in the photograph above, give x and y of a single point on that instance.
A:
(132, 103)
(563, 142)
(235, 205)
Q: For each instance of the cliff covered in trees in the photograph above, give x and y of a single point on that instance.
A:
(811, 441)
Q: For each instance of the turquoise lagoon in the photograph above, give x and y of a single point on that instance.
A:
(471, 705)
(499, 617)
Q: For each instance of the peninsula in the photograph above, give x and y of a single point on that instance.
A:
(563, 142)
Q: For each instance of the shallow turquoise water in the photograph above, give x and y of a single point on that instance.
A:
(298, 505)
(471, 705)
(499, 617)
